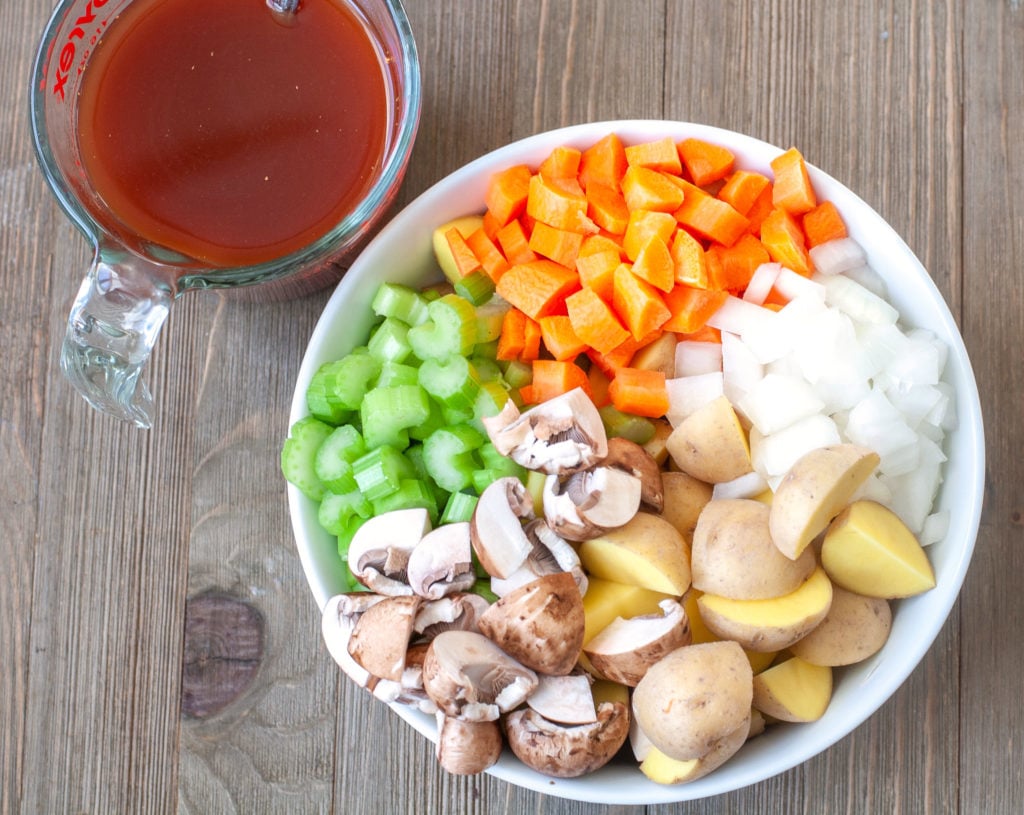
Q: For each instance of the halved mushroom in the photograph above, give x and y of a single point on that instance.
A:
(336, 623)
(629, 456)
(442, 562)
(496, 529)
(379, 552)
(564, 699)
(380, 638)
(626, 648)
(567, 751)
(459, 611)
(467, 748)
(560, 436)
(409, 689)
(590, 502)
(471, 678)
(540, 624)
(550, 554)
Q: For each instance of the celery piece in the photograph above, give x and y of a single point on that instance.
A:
(434, 420)
(459, 507)
(396, 373)
(496, 466)
(489, 319)
(333, 460)
(489, 401)
(518, 374)
(487, 368)
(451, 329)
(412, 493)
(298, 454)
(415, 456)
(535, 486)
(626, 425)
(452, 381)
(401, 302)
(381, 471)
(477, 287)
(390, 341)
(483, 588)
(321, 399)
(345, 381)
(387, 414)
(456, 417)
(337, 509)
(449, 455)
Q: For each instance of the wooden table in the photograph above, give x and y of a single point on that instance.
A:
(109, 535)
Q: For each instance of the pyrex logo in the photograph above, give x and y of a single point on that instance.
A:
(66, 58)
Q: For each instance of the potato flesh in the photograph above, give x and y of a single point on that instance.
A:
(793, 691)
(648, 552)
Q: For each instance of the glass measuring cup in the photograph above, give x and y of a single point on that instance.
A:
(133, 279)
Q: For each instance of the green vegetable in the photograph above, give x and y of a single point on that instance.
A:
(449, 455)
(333, 460)
(451, 329)
(299, 452)
(388, 412)
(401, 302)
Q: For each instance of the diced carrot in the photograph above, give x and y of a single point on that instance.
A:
(607, 208)
(506, 193)
(559, 202)
(823, 224)
(512, 338)
(599, 382)
(736, 264)
(792, 190)
(594, 321)
(526, 395)
(559, 338)
(538, 288)
(558, 245)
(552, 377)
(490, 225)
(640, 392)
(601, 242)
(466, 261)
(515, 243)
(490, 256)
(637, 303)
(597, 272)
(704, 334)
(759, 210)
(784, 240)
(644, 188)
(688, 260)
(532, 337)
(742, 189)
(562, 162)
(691, 307)
(603, 163)
(654, 264)
(710, 217)
(657, 155)
(642, 225)
(704, 161)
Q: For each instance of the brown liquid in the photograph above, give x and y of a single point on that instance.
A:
(212, 128)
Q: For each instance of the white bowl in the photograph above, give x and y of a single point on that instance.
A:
(402, 253)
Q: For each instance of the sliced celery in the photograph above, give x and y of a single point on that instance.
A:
(390, 341)
(487, 368)
(299, 453)
(451, 329)
(345, 381)
(459, 507)
(412, 493)
(381, 471)
(626, 425)
(337, 510)
(477, 287)
(333, 460)
(489, 319)
(402, 302)
(415, 456)
(434, 420)
(452, 381)
(489, 401)
(483, 588)
(449, 455)
(388, 413)
(518, 374)
(396, 373)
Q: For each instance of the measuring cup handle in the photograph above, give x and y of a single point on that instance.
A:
(113, 325)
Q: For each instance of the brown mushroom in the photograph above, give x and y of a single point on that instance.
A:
(496, 529)
(379, 552)
(380, 637)
(590, 502)
(459, 611)
(442, 562)
(336, 623)
(467, 748)
(629, 456)
(564, 699)
(550, 554)
(626, 648)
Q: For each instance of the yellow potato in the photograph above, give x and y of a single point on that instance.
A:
(606, 599)
(869, 550)
(699, 632)
(648, 552)
(659, 355)
(604, 690)
(710, 443)
(773, 624)
(793, 691)
(685, 497)
(854, 628)
(663, 769)
(814, 490)
(655, 445)
(466, 226)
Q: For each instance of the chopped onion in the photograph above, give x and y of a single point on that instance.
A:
(855, 300)
(687, 394)
(778, 401)
(837, 256)
(746, 486)
(694, 358)
(761, 282)
(934, 528)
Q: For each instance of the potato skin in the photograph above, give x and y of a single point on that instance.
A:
(855, 628)
(685, 498)
(694, 697)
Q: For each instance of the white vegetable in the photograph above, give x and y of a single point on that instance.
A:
(740, 368)
(693, 358)
(749, 485)
(855, 300)
(689, 393)
(761, 282)
(777, 401)
(837, 256)
(775, 453)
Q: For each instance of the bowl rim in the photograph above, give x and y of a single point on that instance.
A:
(933, 608)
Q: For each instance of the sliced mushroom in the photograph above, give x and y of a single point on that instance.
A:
(442, 562)
(590, 502)
(629, 456)
(336, 623)
(409, 689)
(496, 529)
(471, 678)
(625, 649)
(458, 612)
(567, 751)
(380, 638)
(540, 624)
(467, 748)
(560, 436)
(379, 552)
(550, 554)
(564, 699)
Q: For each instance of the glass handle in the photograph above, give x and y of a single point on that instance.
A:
(113, 325)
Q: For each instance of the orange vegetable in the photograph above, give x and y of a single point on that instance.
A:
(491, 258)
(531, 341)
(792, 190)
(538, 288)
(643, 188)
(552, 377)
(657, 155)
(559, 338)
(490, 225)
(594, 321)
(602, 242)
(705, 162)
(705, 334)
(642, 225)
(562, 162)
(710, 217)
(506, 193)
(824, 223)
(559, 202)
(691, 307)
(735, 265)
(603, 163)
(637, 303)
(597, 272)
(558, 245)
(515, 243)
(512, 338)
(607, 208)
(759, 210)
(640, 392)
(655, 265)
(599, 382)
(784, 240)
(466, 261)
(688, 260)
(742, 189)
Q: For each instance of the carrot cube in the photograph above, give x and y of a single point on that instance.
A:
(640, 392)
(655, 265)
(538, 288)
(784, 240)
(607, 208)
(643, 188)
(603, 163)
(515, 243)
(742, 188)
(558, 245)
(688, 260)
(506, 193)
(824, 223)
(559, 202)
(562, 162)
(642, 225)
(691, 307)
(559, 338)
(657, 155)
(597, 272)
(792, 190)
(466, 261)
(491, 258)
(637, 303)
(706, 162)
(594, 321)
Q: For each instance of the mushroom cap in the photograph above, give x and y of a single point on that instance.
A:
(442, 562)
(540, 624)
(336, 623)
(564, 699)
(379, 552)
(550, 554)
(625, 649)
(496, 529)
(630, 457)
(567, 751)
(588, 503)
(459, 611)
(380, 637)
(467, 748)
(471, 678)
